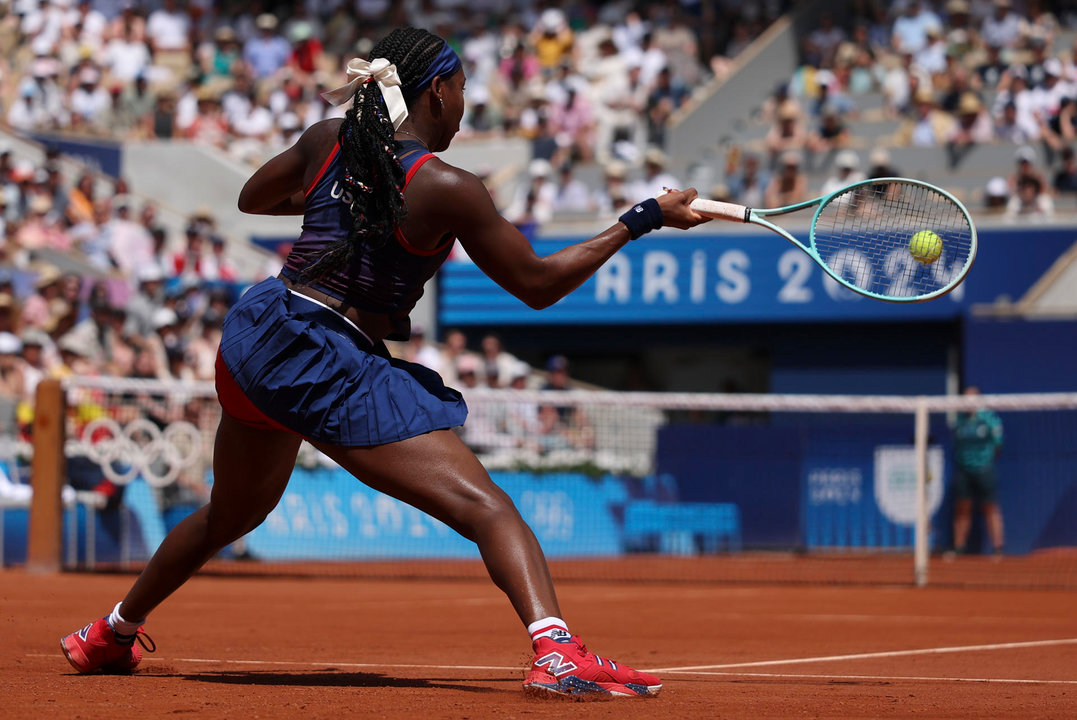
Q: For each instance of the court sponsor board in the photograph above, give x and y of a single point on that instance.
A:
(326, 514)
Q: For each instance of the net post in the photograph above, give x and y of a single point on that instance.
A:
(44, 545)
(920, 550)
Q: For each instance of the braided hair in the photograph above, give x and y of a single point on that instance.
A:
(373, 175)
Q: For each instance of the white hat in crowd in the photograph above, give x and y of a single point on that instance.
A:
(996, 187)
(539, 168)
(520, 370)
(150, 273)
(10, 344)
(879, 156)
(75, 344)
(847, 160)
(266, 21)
(163, 317)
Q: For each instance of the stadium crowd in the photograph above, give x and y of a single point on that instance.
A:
(952, 75)
(582, 81)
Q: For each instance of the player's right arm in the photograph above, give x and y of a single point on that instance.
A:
(503, 253)
(278, 187)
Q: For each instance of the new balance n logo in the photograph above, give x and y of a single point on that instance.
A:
(556, 664)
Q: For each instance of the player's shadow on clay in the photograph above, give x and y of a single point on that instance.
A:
(338, 679)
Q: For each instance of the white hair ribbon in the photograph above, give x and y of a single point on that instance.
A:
(359, 71)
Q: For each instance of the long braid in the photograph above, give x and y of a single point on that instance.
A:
(373, 175)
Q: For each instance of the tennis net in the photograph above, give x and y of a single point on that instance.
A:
(618, 486)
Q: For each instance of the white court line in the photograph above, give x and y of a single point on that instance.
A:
(885, 678)
(867, 656)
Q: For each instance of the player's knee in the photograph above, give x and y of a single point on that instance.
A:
(487, 509)
(225, 527)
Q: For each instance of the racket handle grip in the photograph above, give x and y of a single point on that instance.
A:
(721, 210)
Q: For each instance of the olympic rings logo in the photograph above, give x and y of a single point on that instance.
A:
(139, 449)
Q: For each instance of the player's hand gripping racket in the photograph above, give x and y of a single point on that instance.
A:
(891, 239)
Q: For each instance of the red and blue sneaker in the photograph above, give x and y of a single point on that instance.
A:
(97, 648)
(563, 666)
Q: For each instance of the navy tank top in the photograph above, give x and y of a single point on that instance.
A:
(387, 275)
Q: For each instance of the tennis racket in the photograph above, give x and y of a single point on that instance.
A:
(862, 236)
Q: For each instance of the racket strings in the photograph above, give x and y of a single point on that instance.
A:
(864, 234)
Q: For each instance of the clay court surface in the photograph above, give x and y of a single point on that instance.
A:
(256, 647)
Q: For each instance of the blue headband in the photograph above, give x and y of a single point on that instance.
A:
(445, 64)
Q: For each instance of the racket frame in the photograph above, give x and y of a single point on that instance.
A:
(740, 213)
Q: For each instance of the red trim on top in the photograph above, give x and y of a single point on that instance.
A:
(414, 168)
(325, 166)
(416, 251)
(400, 235)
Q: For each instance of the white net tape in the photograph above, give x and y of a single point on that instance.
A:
(120, 385)
(745, 402)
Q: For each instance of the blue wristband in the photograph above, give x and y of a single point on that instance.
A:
(642, 218)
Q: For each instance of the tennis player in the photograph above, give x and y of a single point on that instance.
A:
(302, 355)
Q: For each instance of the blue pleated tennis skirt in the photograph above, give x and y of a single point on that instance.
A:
(290, 363)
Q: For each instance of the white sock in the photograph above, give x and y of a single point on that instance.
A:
(119, 625)
(551, 627)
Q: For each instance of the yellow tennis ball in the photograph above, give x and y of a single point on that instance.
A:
(925, 246)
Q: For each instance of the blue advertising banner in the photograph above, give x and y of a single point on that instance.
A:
(105, 156)
(739, 276)
(857, 493)
(325, 513)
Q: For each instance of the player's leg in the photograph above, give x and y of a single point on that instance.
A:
(993, 518)
(962, 509)
(989, 506)
(962, 523)
(251, 468)
(439, 475)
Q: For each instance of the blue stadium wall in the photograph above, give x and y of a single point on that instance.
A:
(1020, 355)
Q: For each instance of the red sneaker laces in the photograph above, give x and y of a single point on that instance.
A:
(584, 652)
